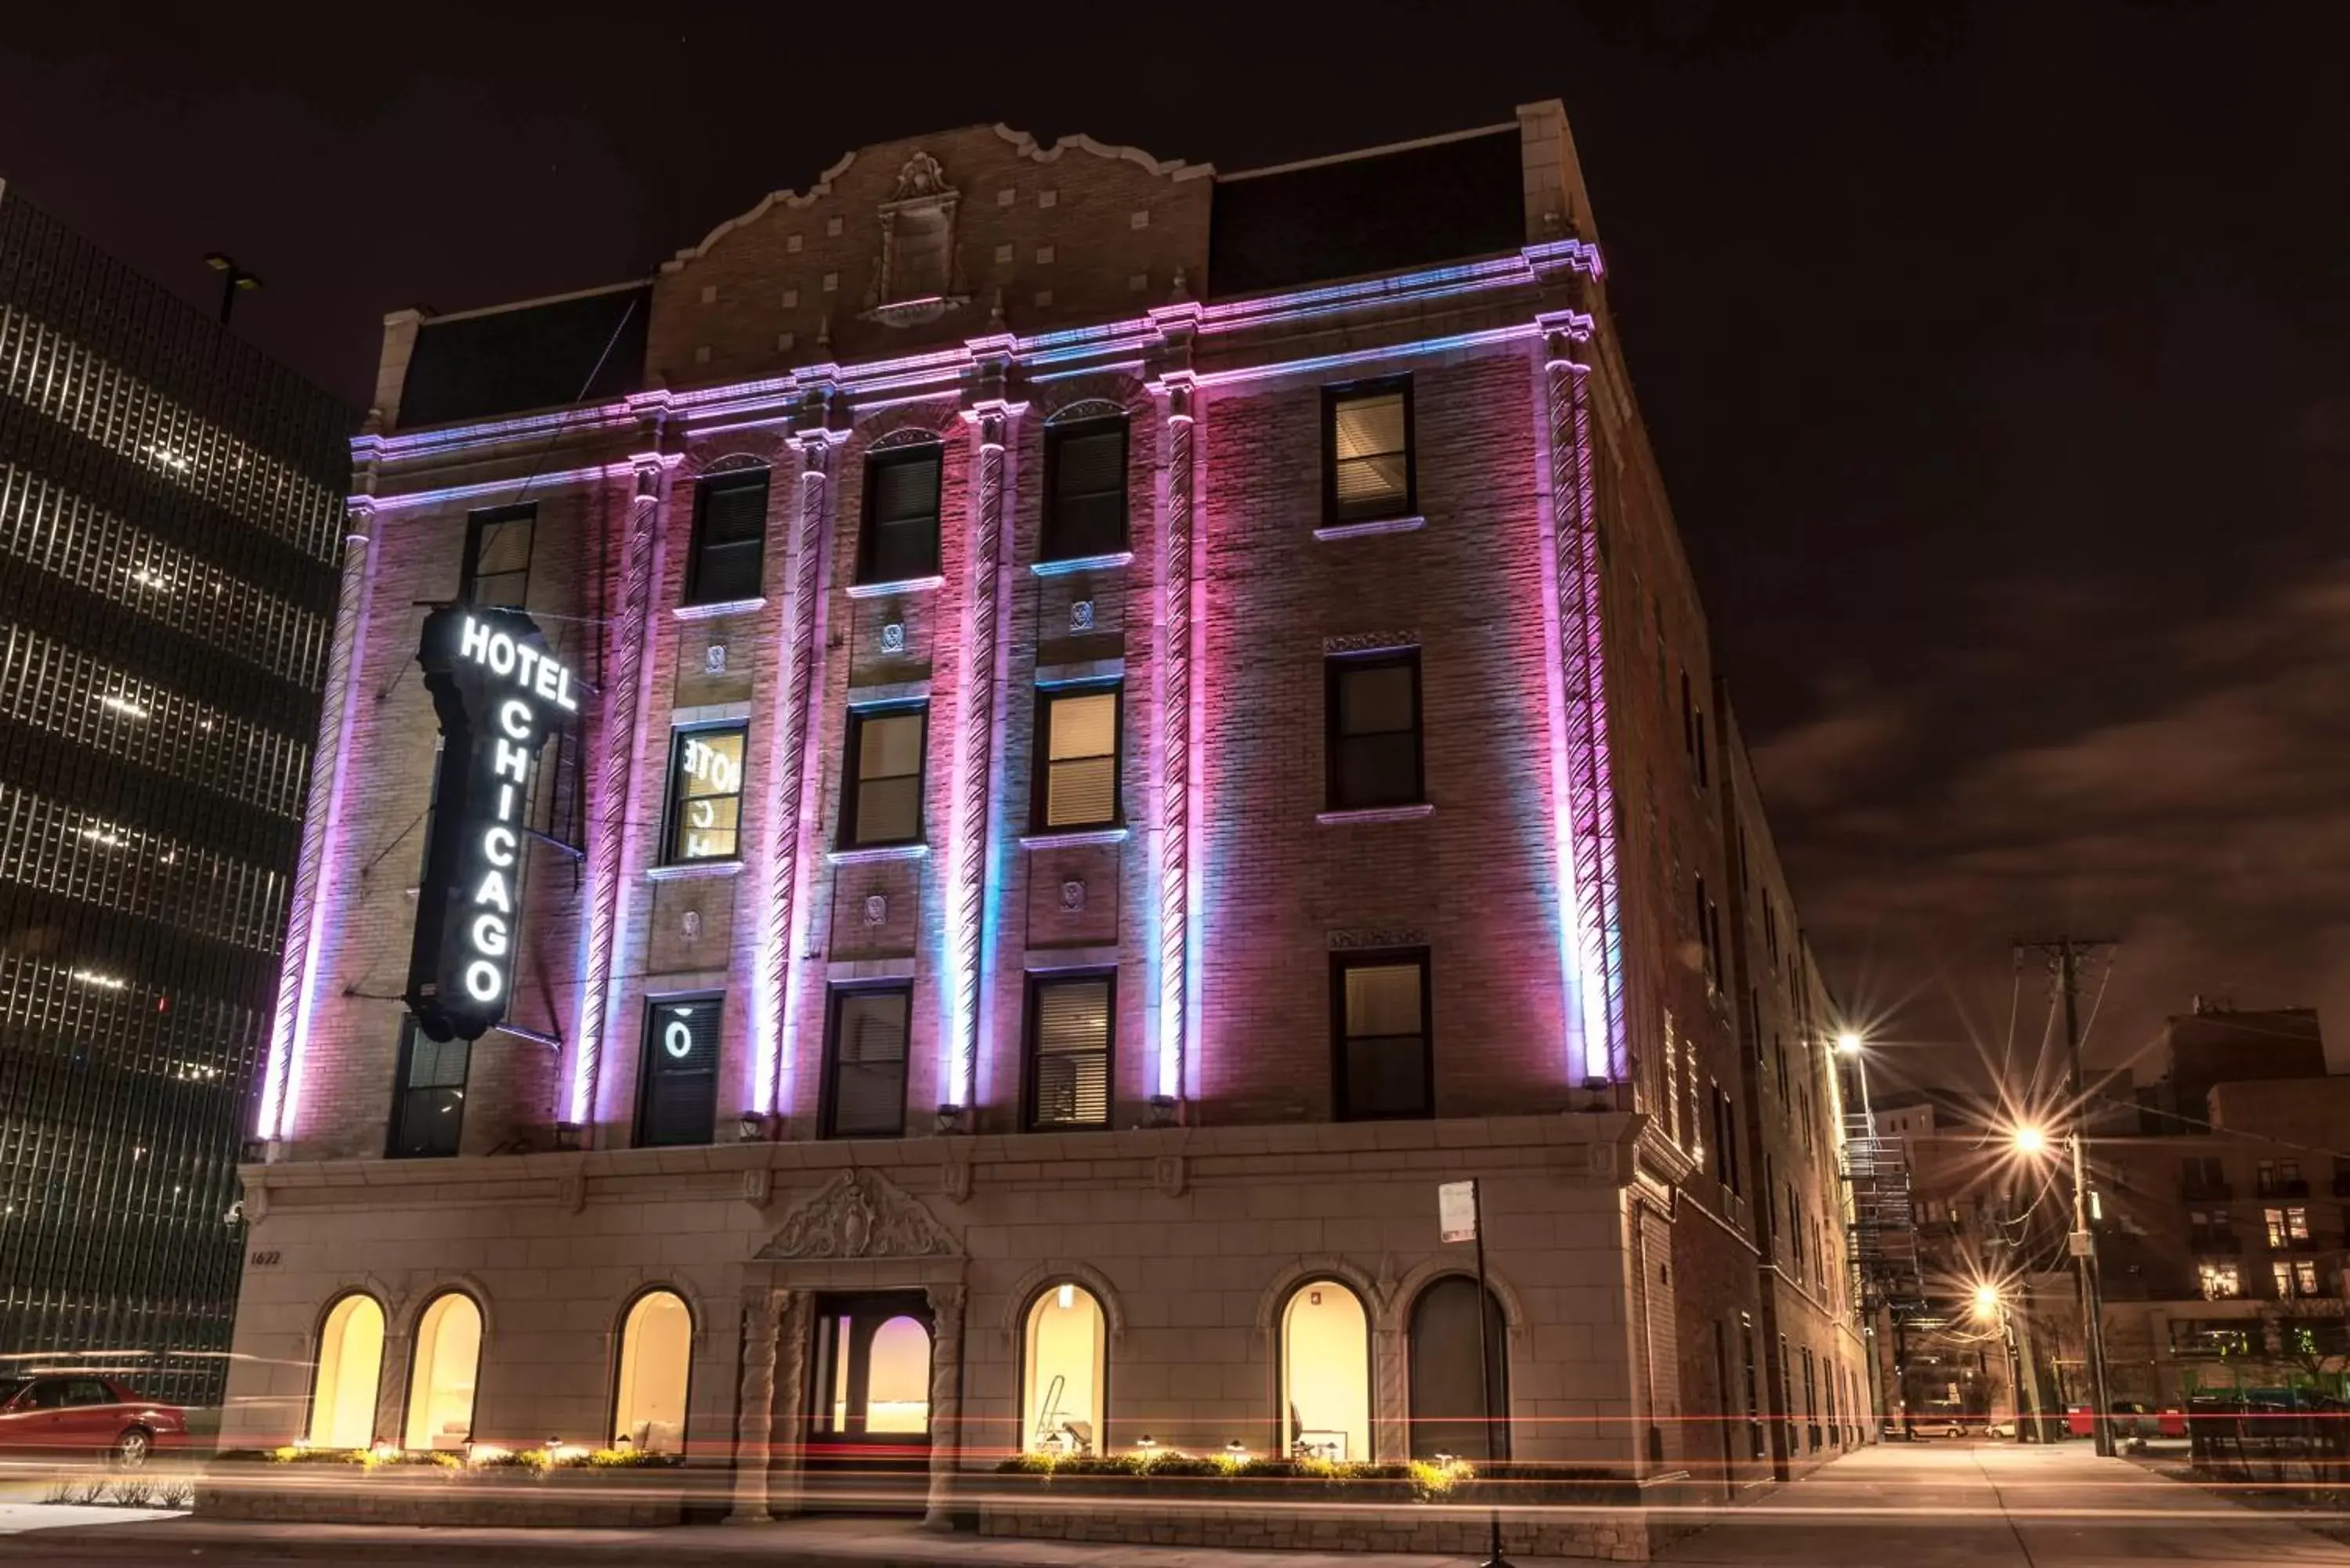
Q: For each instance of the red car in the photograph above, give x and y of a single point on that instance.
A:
(76, 1412)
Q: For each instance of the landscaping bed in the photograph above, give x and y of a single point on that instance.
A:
(532, 1488)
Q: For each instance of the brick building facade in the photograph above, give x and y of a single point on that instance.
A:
(1139, 720)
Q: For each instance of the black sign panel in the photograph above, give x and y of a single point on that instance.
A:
(499, 695)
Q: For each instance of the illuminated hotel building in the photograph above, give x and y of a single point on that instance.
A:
(171, 507)
(1137, 720)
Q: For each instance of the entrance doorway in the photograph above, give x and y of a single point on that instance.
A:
(870, 1395)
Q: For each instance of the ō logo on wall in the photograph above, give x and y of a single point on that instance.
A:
(499, 694)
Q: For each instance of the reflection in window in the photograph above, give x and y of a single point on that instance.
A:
(1063, 1372)
(441, 1386)
(1325, 1374)
(656, 1351)
(898, 1384)
(350, 1367)
(678, 1101)
(705, 794)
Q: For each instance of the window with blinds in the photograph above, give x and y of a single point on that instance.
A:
(730, 537)
(1080, 755)
(677, 1092)
(1084, 489)
(901, 516)
(428, 1105)
(705, 794)
(865, 1063)
(1369, 473)
(1383, 1067)
(1371, 710)
(881, 798)
(497, 556)
(1068, 1050)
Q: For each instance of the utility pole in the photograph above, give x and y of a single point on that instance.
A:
(2066, 951)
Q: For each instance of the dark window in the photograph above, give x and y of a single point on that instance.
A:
(1078, 754)
(1449, 1409)
(678, 1100)
(89, 1391)
(1725, 1139)
(705, 794)
(881, 799)
(730, 537)
(1068, 1050)
(1084, 487)
(901, 516)
(865, 1063)
(1372, 711)
(428, 1105)
(1366, 446)
(497, 556)
(1380, 1005)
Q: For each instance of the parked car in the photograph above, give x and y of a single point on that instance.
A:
(1947, 1427)
(2004, 1426)
(77, 1413)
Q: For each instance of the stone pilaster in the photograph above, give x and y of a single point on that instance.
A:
(321, 812)
(1175, 745)
(623, 709)
(754, 1425)
(795, 714)
(1597, 985)
(975, 799)
(789, 1426)
(946, 1402)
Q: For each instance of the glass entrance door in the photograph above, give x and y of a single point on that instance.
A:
(870, 1382)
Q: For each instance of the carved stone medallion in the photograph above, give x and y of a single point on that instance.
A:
(859, 1214)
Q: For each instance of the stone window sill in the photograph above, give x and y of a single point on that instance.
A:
(1067, 837)
(723, 607)
(1363, 816)
(1333, 531)
(1068, 564)
(902, 585)
(690, 871)
(864, 854)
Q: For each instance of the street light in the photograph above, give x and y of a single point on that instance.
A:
(1848, 1044)
(1986, 1301)
(2031, 1139)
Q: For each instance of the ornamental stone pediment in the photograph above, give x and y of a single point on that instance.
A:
(859, 1214)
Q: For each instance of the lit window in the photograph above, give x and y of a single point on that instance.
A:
(497, 556)
(1084, 511)
(1068, 1045)
(1372, 719)
(1080, 756)
(882, 801)
(677, 1100)
(441, 1382)
(901, 516)
(2296, 1224)
(2282, 1272)
(730, 537)
(656, 1358)
(705, 794)
(1384, 1065)
(350, 1366)
(897, 1379)
(2219, 1282)
(2304, 1277)
(1325, 1374)
(1368, 439)
(864, 1064)
(1061, 1372)
(2274, 1218)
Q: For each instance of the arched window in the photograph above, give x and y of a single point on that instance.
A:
(656, 1355)
(350, 1365)
(1448, 1411)
(441, 1380)
(1325, 1374)
(1065, 1369)
(897, 1381)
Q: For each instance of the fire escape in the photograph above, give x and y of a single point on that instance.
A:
(1883, 1249)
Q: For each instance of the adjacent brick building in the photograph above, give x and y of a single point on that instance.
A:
(1140, 719)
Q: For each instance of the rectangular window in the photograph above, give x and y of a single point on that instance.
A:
(496, 572)
(428, 1106)
(2219, 1282)
(730, 537)
(677, 1095)
(1084, 489)
(1080, 731)
(1068, 1050)
(1368, 474)
(705, 794)
(881, 799)
(2281, 1274)
(1371, 715)
(865, 1063)
(2304, 1276)
(901, 516)
(2275, 1220)
(2296, 1224)
(1384, 1066)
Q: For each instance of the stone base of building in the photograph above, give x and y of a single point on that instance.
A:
(577, 1501)
(1620, 1535)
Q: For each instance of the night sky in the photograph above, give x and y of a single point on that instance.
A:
(1998, 359)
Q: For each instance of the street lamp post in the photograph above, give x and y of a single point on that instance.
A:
(2082, 1245)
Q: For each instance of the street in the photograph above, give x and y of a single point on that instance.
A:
(1926, 1505)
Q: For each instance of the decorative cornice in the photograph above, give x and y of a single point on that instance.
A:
(814, 194)
(1029, 147)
